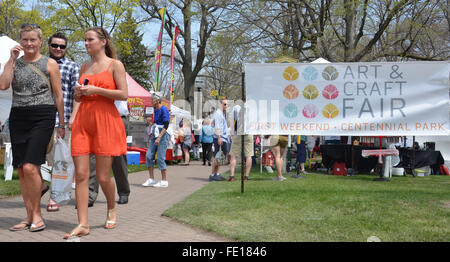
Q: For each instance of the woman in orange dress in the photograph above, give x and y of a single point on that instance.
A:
(97, 127)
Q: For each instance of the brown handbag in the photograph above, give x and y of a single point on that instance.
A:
(51, 144)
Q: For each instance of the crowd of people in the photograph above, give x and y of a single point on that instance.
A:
(221, 144)
(54, 97)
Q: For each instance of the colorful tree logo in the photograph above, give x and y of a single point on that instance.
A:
(310, 111)
(330, 111)
(310, 92)
(330, 73)
(310, 73)
(291, 74)
(330, 92)
(291, 92)
(290, 111)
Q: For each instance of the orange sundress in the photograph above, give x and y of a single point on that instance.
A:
(98, 128)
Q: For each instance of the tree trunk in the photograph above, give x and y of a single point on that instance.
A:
(350, 29)
(189, 78)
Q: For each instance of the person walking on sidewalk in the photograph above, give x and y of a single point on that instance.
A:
(57, 47)
(158, 143)
(221, 139)
(186, 132)
(98, 128)
(36, 97)
(207, 138)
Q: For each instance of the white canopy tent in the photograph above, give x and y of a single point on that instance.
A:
(178, 114)
(320, 61)
(176, 111)
(6, 44)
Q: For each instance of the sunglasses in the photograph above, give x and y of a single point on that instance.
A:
(56, 46)
(30, 25)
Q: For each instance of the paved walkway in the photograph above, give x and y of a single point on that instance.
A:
(140, 220)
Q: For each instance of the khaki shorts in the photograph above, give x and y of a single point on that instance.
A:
(236, 145)
(281, 141)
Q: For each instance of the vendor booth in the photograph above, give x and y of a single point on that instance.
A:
(139, 106)
(139, 101)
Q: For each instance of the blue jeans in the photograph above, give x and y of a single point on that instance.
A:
(160, 149)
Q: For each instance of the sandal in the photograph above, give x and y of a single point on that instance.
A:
(26, 227)
(52, 207)
(44, 190)
(110, 224)
(35, 228)
(79, 234)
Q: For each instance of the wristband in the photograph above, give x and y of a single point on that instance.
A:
(62, 126)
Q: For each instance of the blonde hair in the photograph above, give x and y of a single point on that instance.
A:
(31, 27)
(103, 35)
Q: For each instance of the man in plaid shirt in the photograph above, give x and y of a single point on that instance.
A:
(70, 71)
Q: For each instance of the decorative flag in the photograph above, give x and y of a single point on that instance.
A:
(172, 67)
(162, 13)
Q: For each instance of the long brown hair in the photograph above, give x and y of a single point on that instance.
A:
(103, 34)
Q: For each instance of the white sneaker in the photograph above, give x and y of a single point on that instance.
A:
(149, 182)
(269, 169)
(162, 183)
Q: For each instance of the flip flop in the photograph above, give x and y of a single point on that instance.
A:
(26, 227)
(34, 228)
(52, 207)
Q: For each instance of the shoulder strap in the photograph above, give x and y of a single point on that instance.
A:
(39, 72)
(110, 64)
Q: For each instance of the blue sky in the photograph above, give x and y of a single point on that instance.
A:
(150, 30)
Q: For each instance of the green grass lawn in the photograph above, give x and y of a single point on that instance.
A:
(322, 208)
(9, 188)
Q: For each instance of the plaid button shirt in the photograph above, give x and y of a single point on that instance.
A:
(70, 72)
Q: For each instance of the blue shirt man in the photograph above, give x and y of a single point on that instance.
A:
(221, 139)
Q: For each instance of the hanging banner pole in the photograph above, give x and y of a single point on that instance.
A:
(172, 65)
(243, 165)
(162, 13)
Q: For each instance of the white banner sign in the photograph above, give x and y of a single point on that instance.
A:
(362, 99)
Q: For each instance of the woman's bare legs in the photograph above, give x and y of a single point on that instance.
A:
(81, 190)
(30, 186)
(103, 167)
(26, 200)
(186, 155)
